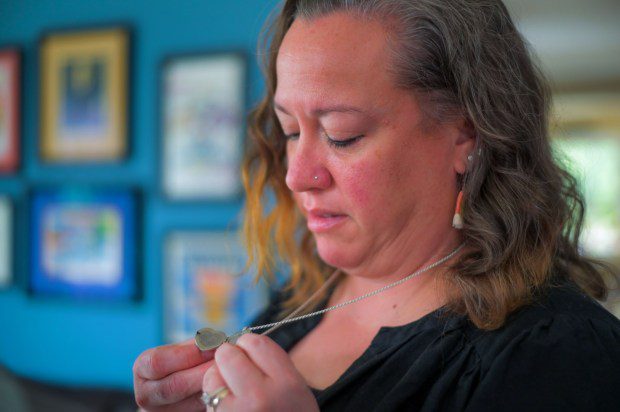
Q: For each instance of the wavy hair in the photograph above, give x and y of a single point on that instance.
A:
(522, 212)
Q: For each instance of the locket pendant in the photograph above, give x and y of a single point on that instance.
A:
(209, 339)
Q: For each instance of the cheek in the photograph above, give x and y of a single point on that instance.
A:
(384, 182)
(365, 183)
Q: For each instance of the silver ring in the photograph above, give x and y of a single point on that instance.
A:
(215, 398)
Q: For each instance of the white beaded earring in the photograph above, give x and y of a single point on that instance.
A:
(457, 220)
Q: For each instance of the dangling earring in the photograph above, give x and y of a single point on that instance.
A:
(457, 220)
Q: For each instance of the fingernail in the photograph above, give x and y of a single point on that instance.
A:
(209, 372)
(226, 350)
(225, 347)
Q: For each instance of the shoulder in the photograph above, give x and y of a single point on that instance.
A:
(563, 349)
(558, 316)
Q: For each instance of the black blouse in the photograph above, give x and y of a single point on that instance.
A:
(561, 353)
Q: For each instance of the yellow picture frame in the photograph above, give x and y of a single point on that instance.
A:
(84, 80)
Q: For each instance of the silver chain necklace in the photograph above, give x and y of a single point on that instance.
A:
(208, 339)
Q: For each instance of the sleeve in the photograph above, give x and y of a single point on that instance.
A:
(563, 364)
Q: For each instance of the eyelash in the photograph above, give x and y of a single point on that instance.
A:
(291, 136)
(342, 143)
(332, 142)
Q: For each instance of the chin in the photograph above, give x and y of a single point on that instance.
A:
(338, 256)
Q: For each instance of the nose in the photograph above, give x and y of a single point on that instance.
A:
(306, 169)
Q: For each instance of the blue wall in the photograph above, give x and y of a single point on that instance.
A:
(82, 343)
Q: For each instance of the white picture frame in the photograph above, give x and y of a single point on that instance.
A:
(6, 243)
(202, 126)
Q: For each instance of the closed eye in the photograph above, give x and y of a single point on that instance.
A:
(339, 143)
(292, 136)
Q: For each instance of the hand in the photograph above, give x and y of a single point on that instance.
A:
(259, 376)
(169, 378)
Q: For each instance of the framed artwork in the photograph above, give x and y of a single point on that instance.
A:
(9, 109)
(587, 140)
(205, 286)
(6, 246)
(202, 125)
(84, 243)
(84, 96)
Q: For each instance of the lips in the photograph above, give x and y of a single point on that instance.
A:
(321, 220)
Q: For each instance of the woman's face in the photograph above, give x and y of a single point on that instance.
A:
(375, 180)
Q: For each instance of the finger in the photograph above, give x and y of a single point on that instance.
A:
(268, 356)
(239, 372)
(190, 404)
(174, 387)
(212, 382)
(159, 362)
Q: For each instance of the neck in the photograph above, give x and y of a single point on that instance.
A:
(400, 304)
(379, 272)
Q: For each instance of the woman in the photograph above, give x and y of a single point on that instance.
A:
(406, 144)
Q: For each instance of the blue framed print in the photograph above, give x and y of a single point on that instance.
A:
(84, 243)
(205, 284)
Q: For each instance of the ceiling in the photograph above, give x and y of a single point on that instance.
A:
(577, 41)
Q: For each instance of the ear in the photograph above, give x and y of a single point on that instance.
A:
(464, 144)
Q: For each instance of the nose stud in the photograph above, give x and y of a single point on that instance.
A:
(316, 178)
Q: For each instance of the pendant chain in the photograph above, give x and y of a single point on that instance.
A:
(292, 318)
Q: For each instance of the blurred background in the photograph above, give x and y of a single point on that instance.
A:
(121, 126)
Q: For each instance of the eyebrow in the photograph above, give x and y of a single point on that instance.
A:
(322, 111)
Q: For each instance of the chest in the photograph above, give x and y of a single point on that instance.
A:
(329, 350)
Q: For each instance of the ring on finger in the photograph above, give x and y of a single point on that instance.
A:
(214, 399)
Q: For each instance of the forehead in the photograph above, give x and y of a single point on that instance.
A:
(340, 33)
(339, 52)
